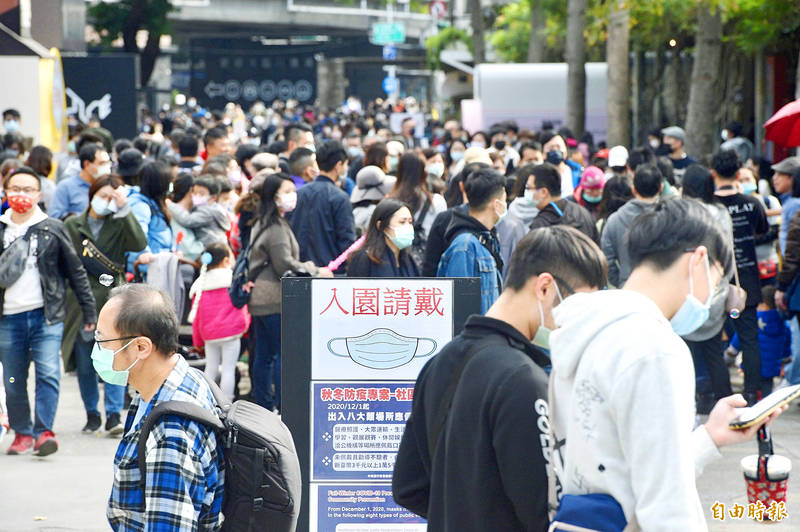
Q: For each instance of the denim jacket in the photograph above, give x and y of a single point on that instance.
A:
(467, 257)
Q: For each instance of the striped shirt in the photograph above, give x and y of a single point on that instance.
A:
(185, 472)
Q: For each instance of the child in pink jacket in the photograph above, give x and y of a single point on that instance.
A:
(216, 323)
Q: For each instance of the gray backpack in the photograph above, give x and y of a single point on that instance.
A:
(13, 259)
(262, 472)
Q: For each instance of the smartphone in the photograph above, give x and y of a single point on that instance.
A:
(753, 415)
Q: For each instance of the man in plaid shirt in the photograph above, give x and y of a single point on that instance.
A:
(137, 339)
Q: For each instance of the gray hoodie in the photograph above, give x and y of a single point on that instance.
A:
(613, 241)
(210, 223)
(523, 210)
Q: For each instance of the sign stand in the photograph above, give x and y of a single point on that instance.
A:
(351, 351)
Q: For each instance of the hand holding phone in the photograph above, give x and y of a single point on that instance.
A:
(754, 415)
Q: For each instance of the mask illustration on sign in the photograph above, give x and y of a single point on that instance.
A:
(382, 349)
(78, 107)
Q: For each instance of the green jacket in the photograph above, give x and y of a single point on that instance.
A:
(118, 236)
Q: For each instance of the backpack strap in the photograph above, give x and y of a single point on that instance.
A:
(183, 409)
(446, 401)
(424, 212)
(253, 273)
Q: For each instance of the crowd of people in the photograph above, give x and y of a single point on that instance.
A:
(547, 221)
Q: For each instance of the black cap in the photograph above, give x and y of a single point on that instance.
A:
(130, 162)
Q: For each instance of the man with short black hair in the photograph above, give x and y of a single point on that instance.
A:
(72, 194)
(323, 219)
(647, 183)
(623, 381)
(749, 223)
(303, 164)
(299, 135)
(530, 153)
(217, 142)
(33, 308)
(188, 147)
(474, 249)
(136, 344)
(553, 209)
(483, 466)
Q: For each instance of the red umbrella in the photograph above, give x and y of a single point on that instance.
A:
(784, 126)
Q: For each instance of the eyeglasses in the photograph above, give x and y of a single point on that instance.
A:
(24, 190)
(564, 285)
(99, 341)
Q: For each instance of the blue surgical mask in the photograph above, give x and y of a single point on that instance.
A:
(749, 188)
(592, 199)
(382, 349)
(456, 155)
(101, 206)
(692, 314)
(103, 362)
(529, 196)
(11, 126)
(542, 337)
(403, 236)
(393, 160)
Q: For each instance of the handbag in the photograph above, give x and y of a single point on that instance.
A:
(737, 296)
(97, 263)
(14, 259)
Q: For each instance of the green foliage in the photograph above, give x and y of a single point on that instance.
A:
(110, 19)
(442, 40)
(512, 29)
(765, 24)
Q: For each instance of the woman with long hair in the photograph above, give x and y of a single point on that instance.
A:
(273, 252)
(41, 159)
(616, 193)
(385, 250)
(412, 189)
(705, 344)
(377, 155)
(150, 209)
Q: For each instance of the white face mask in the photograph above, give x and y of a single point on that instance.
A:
(287, 201)
(436, 169)
(102, 170)
(542, 337)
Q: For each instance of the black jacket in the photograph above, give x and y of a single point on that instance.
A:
(489, 470)
(791, 258)
(462, 222)
(437, 244)
(57, 261)
(360, 265)
(567, 213)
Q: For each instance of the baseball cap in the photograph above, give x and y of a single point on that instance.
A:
(790, 165)
(674, 132)
(592, 178)
(617, 156)
(476, 154)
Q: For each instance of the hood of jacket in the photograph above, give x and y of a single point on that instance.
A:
(582, 316)
(212, 280)
(631, 210)
(523, 210)
(38, 216)
(462, 221)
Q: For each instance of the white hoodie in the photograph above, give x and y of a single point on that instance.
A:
(624, 395)
(26, 293)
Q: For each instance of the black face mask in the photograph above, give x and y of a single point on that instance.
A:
(499, 145)
(555, 157)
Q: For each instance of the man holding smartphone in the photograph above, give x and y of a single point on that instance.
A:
(623, 380)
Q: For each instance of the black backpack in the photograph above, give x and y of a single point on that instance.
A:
(262, 472)
(420, 237)
(242, 274)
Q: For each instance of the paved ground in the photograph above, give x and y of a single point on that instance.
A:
(69, 490)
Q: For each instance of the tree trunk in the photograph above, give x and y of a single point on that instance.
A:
(537, 42)
(618, 101)
(148, 57)
(478, 42)
(576, 69)
(703, 92)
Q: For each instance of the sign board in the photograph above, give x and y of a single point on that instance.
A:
(389, 52)
(388, 33)
(437, 9)
(351, 353)
(390, 84)
(110, 96)
(219, 76)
